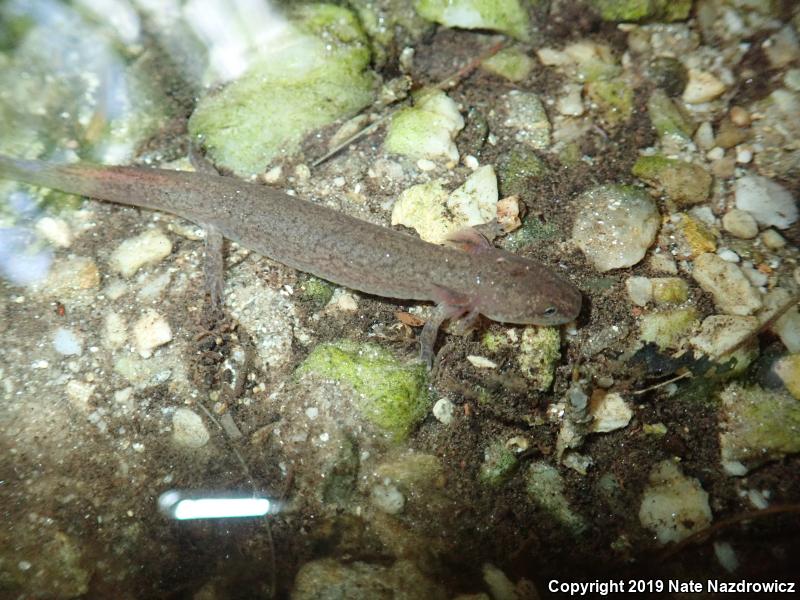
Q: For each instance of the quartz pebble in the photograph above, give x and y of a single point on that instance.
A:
(674, 506)
(702, 87)
(732, 291)
(188, 429)
(719, 333)
(615, 226)
(773, 240)
(769, 203)
(145, 249)
(740, 224)
(443, 411)
(149, 332)
(609, 412)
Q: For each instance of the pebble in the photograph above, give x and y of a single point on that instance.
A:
(772, 239)
(739, 116)
(788, 371)
(733, 293)
(769, 203)
(67, 343)
(188, 429)
(54, 230)
(640, 290)
(728, 255)
(79, 393)
(571, 104)
(744, 154)
(615, 226)
(481, 362)
(726, 556)
(526, 117)
(610, 413)
(740, 224)
(147, 248)
(149, 332)
(387, 498)
(704, 136)
(114, 330)
(719, 333)
(443, 411)
(702, 87)
(674, 506)
(71, 276)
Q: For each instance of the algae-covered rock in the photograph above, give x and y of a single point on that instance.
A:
(694, 235)
(315, 75)
(670, 290)
(539, 351)
(523, 114)
(668, 119)
(318, 291)
(506, 16)
(390, 394)
(546, 488)
(614, 99)
(758, 426)
(435, 214)
(643, 10)
(390, 25)
(720, 333)
(499, 464)
(427, 129)
(511, 63)
(516, 170)
(668, 328)
(684, 183)
(329, 578)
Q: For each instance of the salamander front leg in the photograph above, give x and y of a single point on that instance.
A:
(427, 339)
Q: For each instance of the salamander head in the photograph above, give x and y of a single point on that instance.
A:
(524, 292)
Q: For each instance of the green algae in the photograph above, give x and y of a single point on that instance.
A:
(317, 75)
(499, 465)
(506, 16)
(511, 63)
(684, 183)
(643, 10)
(391, 395)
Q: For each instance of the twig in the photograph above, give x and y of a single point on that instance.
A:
(448, 82)
(716, 528)
(663, 383)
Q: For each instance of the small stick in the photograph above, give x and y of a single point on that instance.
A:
(448, 82)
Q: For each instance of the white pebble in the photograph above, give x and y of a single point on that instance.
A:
(67, 343)
(444, 410)
(273, 175)
(716, 153)
(471, 162)
(769, 203)
(728, 255)
(733, 293)
(702, 87)
(726, 556)
(640, 290)
(148, 248)
(56, 231)
(426, 164)
(610, 413)
(188, 429)
(149, 332)
(387, 498)
(481, 362)
(744, 154)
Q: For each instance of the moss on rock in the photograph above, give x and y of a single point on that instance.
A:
(391, 395)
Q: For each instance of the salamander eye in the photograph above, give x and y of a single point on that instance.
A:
(549, 311)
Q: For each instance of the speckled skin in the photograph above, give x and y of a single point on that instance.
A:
(329, 244)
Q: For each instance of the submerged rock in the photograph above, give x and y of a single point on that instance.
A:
(615, 226)
(506, 16)
(329, 578)
(733, 293)
(390, 394)
(757, 426)
(643, 10)
(769, 203)
(317, 73)
(427, 129)
(511, 63)
(674, 506)
(684, 183)
(436, 215)
(546, 487)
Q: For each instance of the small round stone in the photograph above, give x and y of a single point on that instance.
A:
(740, 224)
